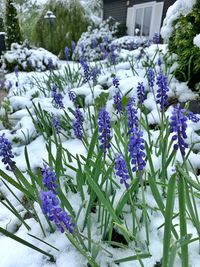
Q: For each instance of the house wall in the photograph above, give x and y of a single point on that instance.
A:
(118, 8)
(115, 8)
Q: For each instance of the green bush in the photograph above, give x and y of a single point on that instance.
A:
(12, 24)
(2, 29)
(181, 43)
(69, 24)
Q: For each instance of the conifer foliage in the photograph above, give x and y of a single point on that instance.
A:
(12, 24)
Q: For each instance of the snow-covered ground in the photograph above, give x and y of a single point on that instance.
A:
(24, 93)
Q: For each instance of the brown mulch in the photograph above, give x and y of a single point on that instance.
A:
(3, 94)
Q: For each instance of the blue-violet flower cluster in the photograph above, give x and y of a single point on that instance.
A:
(78, 124)
(151, 77)
(57, 97)
(140, 93)
(178, 127)
(6, 152)
(49, 179)
(56, 123)
(132, 116)
(51, 208)
(121, 170)
(162, 96)
(104, 130)
(136, 149)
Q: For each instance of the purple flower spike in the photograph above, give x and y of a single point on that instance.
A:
(57, 98)
(132, 116)
(151, 77)
(49, 179)
(140, 93)
(78, 124)
(178, 126)
(51, 208)
(118, 102)
(116, 82)
(73, 46)
(56, 124)
(6, 152)
(86, 70)
(192, 117)
(136, 149)
(67, 53)
(162, 95)
(156, 38)
(94, 73)
(121, 170)
(72, 95)
(104, 130)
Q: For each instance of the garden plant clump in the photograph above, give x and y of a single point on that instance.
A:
(101, 168)
(185, 43)
(28, 58)
(95, 44)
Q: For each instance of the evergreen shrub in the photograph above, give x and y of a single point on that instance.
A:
(12, 24)
(181, 43)
(69, 24)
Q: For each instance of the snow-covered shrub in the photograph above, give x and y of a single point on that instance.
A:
(130, 42)
(68, 26)
(96, 41)
(29, 59)
(185, 44)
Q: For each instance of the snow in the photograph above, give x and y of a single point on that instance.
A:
(196, 40)
(30, 58)
(13, 254)
(180, 7)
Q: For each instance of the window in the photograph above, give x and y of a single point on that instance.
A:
(144, 19)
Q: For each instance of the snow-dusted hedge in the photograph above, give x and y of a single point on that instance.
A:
(29, 59)
(185, 43)
(96, 41)
(130, 42)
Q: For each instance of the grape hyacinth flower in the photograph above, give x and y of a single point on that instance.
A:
(67, 53)
(121, 170)
(57, 97)
(140, 93)
(72, 95)
(56, 123)
(151, 77)
(178, 127)
(104, 52)
(78, 124)
(6, 152)
(115, 82)
(192, 117)
(118, 102)
(51, 208)
(104, 130)
(112, 54)
(162, 96)
(49, 179)
(50, 64)
(94, 74)
(86, 70)
(136, 149)
(132, 116)
(73, 46)
(156, 38)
